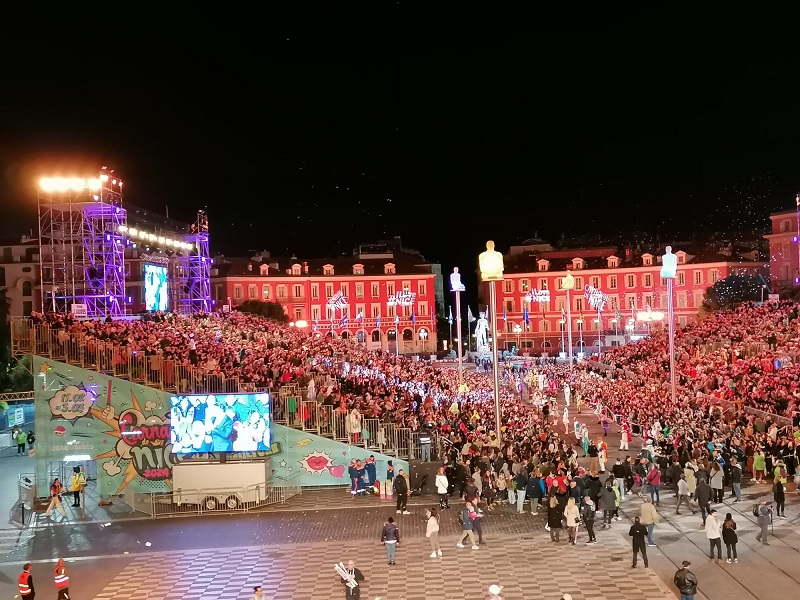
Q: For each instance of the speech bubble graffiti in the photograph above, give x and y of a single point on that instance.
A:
(71, 403)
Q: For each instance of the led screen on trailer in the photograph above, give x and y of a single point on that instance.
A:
(220, 423)
(156, 292)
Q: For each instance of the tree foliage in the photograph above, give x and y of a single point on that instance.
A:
(269, 310)
(731, 291)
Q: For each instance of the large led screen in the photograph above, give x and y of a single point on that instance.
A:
(220, 423)
(156, 296)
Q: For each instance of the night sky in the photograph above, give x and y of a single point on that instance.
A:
(312, 132)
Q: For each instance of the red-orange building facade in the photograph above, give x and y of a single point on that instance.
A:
(366, 296)
(630, 279)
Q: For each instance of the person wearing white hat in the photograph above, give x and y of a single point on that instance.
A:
(494, 592)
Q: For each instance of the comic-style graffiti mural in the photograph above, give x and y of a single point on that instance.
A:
(83, 415)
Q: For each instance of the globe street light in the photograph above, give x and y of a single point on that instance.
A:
(568, 283)
(457, 287)
(517, 330)
(669, 270)
(491, 266)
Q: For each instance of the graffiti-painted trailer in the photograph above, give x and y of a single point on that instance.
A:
(217, 485)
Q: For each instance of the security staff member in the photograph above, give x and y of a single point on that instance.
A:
(62, 580)
(25, 583)
(425, 444)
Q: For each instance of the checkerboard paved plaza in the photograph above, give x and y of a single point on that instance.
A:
(528, 566)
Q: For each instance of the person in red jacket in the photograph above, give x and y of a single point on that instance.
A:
(25, 583)
(62, 580)
(653, 479)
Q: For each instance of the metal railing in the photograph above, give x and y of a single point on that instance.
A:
(209, 501)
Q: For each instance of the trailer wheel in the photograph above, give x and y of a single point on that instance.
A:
(210, 503)
(232, 502)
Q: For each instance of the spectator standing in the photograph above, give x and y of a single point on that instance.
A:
(608, 502)
(685, 581)
(572, 516)
(764, 520)
(21, 438)
(653, 479)
(401, 491)
(442, 487)
(390, 537)
(730, 538)
(648, 516)
(638, 532)
(714, 534)
(779, 496)
(589, 512)
(703, 494)
(432, 532)
(554, 517)
(521, 482)
(736, 479)
(716, 479)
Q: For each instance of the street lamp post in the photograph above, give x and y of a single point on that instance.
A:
(580, 331)
(457, 287)
(669, 269)
(568, 283)
(491, 266)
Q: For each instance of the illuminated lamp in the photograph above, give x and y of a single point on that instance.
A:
(61, 184)
(123, 228)
(93, 184)
(132, 231)
(114, 181)
(46, 183)
(120, 184)
(76, 184)
(103, 177)
(161, 240)
(301, 324)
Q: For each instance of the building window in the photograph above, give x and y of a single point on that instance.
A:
(315, 313)
(359, 290)
(376, 290)
(648, 280)
(298, 291)
(237, 292)
(297, 269)
(388, 269)
(612, 282)
(595, 282)
(681, 278)
(577, 263)
(681, 299)
(390, 288)
(631, 300)
(714, 273)
(298, 313)
(509, 306)
(264, 270)
(579, 304)
(315, 290)
(785, 225)
(543, 284)
(579, 283)
(282, 292)
(327, 269)
(647, 300)
(376, 311)
(647, 260)
(423, 309)
(421, 288)
(545, 325)
(681, 257)
(559, 283)
(345, 288)
(698, 299)
(630, 281)
(265, 292)
(358, 269)
(544, 265)
(390, 311)
(561, 304)
(698, 277)
(328, 290)
(27, 288)
(376, 336)
(614, 301)
(252, 293)
(524, 285)
(508, 286)
(613, 262)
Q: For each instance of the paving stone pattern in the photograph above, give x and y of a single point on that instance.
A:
(528, 566)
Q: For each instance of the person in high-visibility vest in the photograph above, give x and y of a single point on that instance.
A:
(62, 580)
(78, 483)
(25, 583)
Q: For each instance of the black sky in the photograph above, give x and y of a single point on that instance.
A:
(311, 132)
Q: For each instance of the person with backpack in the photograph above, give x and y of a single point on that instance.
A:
(588, 514)
(78, 483)
(764, 514)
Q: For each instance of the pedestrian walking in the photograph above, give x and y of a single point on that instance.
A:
(432, 532)
(703, 494)
(258, 593)
(588, 515)
(607, 503)
(442, 488)
(390, 537)
(56, 489)
(764, 521)
(648, 517)
(467, 526)
(735, 478)
(61, 580)
(683, 495)
(730, 538)
(400, 487)
(25, 583)
(685, 581)
(352, 587)
(714, 534)
(638, 532)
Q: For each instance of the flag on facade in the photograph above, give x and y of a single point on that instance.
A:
(470, 317)
(316, 324)
(505, 316)
(618, 315)
(360, 316)
(378, 321)
(396, 319)
(563, 315)
(525, 316)
(413, 316)
(344, 321)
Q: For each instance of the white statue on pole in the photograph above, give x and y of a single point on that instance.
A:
(669, 265)
(491, 263)
(481, 333)
(455, 281)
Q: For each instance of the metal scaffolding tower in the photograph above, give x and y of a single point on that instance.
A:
(81, 249)
(193, 272)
